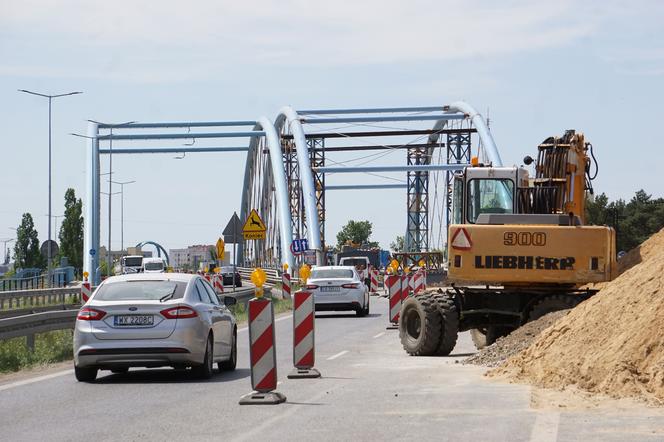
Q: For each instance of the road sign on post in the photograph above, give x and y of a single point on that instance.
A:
(299, 246)
(254, 227)
(221, 250)
(232, 230)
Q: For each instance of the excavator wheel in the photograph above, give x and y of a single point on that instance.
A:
(450, 323)
(552, 303)
(420, 325)
(485, 336)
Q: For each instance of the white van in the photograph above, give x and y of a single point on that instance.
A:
(154, 265)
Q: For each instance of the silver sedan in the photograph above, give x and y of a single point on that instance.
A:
(153, 320)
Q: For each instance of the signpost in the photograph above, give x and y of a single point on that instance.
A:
(232, 235)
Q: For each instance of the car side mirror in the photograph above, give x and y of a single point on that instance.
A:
(229, 300)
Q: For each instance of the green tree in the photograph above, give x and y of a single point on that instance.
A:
(357, 232)
(26, 249)
(634, 221)
(71, 231)
(398, 245)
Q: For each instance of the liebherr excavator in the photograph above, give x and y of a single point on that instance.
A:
(518, 249)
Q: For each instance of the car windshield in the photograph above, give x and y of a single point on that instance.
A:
(154, 266)
(140, 290)
(331, 273)
(133, 261)
(355, 262)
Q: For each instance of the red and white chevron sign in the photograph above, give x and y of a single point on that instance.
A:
(303, 336)
(262, 351)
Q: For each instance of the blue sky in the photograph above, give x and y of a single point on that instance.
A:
(539, 67)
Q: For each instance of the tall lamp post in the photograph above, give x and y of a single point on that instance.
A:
(4, 247)
(110, 182)
(50, 99)
(122, 184)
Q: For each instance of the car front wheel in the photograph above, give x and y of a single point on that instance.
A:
(204, 371)
(231, 363)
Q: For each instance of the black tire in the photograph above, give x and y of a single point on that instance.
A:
(85, 374)
(230, 364)
(420, 325)
(483, 337)
(552, 303)
(360, 312)
(120, 370)
(366, 310)
(204, 371)
(450, 323)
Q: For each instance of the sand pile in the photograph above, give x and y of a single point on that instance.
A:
(612, 343)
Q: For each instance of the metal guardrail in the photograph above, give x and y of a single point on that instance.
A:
(28, 321)
(273, 275)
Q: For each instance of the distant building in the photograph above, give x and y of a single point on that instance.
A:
(193, 256)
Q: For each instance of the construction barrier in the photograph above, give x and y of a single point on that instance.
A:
(406, 286)
(393, 285)
(304, 353)
(86, 291)
(207, 277)
(263, 358)
(286, 285)
(218, 283)
(373, 274)
(418, 281)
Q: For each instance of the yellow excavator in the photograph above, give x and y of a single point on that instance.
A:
(518, 248)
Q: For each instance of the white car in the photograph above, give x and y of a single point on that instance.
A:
(154, 265)
(338, 288)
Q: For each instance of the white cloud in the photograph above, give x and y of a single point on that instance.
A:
(334, 33)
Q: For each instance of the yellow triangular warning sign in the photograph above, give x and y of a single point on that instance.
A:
(254, 223)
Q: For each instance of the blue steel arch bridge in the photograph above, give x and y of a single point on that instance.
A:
(294, 160)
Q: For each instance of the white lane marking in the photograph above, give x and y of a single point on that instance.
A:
(338, 355)
(379, 335)
(545, 428)
(37, 379)
(279, 319)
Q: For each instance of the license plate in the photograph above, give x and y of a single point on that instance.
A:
(133, 320)
(329, 289)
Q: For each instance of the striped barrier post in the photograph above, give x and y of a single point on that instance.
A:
(286, 285)
(374, 280)
(86, 290)
(262, 355)
(207, 277)
(405, 286)
(304, 345)
(393, 285)
(218, 283)
(418, 282)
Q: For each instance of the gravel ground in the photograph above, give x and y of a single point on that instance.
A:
(497, 353)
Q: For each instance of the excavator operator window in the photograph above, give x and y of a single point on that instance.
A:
(489, 196)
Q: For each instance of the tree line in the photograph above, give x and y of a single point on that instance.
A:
(26, 247)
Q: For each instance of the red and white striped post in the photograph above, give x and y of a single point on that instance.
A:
(393, 285)
(285, 285)
(263, 356)
(86, 289)
(373, 274)
(218, 281)
(405, 286)
(418, 282)
(304, 342)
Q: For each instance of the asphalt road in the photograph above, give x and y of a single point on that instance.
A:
(370, 390)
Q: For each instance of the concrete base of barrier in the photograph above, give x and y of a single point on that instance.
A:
(392, 327)
(304, 373)
(270, 398)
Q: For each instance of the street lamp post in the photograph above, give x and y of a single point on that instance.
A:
(4, 247)
(50, 99)
(122, 184)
